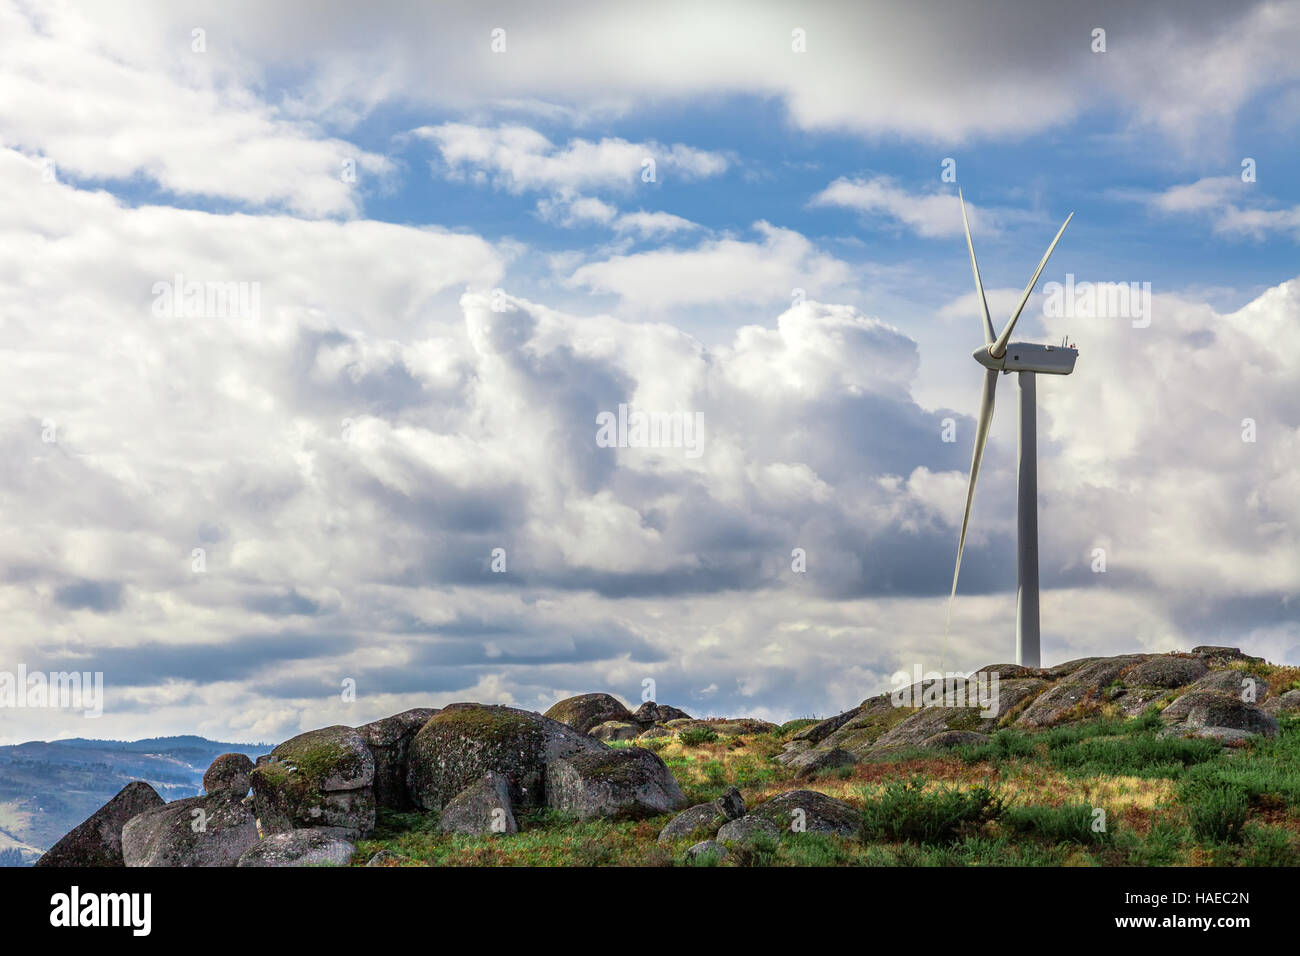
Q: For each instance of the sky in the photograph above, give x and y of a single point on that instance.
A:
(360, 470)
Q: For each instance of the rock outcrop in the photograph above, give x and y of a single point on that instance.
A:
(314, 847)
(615, 730)
(229, 773)
(1283, 704)
(1076, 691)
(652, 713)
(704, 819)
(98, 841)
(214, 830)
(1206, 713)
(481, 808)
(808, 811)
(586, 711)
(746, 830)
(390, 741)
(466, 741)
(632, 782)
(323, 778)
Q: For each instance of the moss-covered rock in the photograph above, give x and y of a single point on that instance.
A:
(747, 830)
(1078, 692)
(1167, 670)
(586, 711)
(466, 741)
(98, 841)
(390, 742)
(627, 783)
(822, 729)
(1250, 688)
(615, 730)
(228, 774)
(652, 713)
(481, 808)
(873, 718)
(694, 823)
(1208, 708)
(323, 778)
(213, 830)
(948, 739)
(807, 811)
(810, 762)
(929, 721)
(313, 847)
(1283, 704)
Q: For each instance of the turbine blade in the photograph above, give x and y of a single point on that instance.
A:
(1000, 346)
(989, 334)
(981, 437)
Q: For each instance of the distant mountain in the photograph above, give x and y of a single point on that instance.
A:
(47, 788)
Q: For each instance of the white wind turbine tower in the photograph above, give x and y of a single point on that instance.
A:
(999, 355)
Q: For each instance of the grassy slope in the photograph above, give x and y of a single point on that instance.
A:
(1021, 799)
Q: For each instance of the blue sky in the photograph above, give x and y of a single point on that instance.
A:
(419, 382)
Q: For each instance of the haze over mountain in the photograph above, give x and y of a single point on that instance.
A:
(47, 788)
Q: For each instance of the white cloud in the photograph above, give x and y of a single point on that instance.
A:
(1235, 208)
(719, 270)
(928, 215)
(363, 549)
(101, 107)
(1181, 69)
(651, 224)
(518, 158)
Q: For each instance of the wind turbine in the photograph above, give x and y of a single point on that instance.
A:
(1000, 355)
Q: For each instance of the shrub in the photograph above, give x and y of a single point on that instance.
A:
(759, 850)
(1144, 754)
(1268, 846)
(695, 736)
(1003, 745)
(904, 810)
(1069, 823)
(1217, 812)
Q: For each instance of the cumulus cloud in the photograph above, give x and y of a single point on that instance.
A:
(100, 108)
(718, 270)
(932, 215)
(232, 510)
(349, 468)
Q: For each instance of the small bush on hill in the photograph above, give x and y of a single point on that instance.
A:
(905, 810)
(694, 736)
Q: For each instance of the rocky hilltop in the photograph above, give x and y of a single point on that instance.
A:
(472, 777)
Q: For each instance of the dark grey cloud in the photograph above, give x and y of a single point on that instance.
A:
(283, 603)
(150, 662)
(101, 596)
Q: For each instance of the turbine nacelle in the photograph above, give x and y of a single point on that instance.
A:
(1029, 357)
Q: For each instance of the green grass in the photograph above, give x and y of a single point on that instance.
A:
(907, 811)
(1068, 823)
(1217, 812)
(1269, 770)
(1021, 798)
